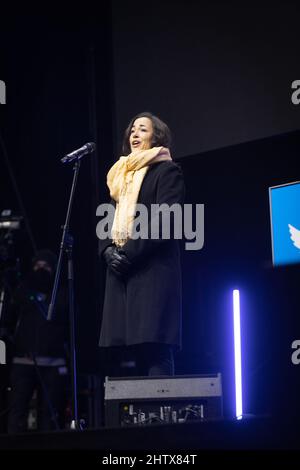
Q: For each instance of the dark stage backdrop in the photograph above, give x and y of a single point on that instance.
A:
(233, 185)
(219, 73)
(57, 71)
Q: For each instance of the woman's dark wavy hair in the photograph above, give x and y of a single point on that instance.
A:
(161, 133)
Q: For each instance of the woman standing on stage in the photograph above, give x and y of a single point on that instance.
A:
(142, 304)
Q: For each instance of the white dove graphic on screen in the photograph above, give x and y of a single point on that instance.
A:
(295, 236)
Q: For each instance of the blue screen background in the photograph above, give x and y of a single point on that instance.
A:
(285, 209)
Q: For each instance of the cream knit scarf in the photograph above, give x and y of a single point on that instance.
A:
(124, 180)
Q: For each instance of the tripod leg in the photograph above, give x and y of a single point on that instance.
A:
(46, 397)
(22, 381)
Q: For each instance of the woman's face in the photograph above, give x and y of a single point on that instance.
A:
(141, 134)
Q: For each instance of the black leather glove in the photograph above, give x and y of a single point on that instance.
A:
(108, 254)
(117, 260)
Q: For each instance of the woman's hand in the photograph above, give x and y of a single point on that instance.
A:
(117, 260)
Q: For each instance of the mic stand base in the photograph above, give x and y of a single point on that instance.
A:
(77, 425)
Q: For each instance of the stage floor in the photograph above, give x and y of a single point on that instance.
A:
(249, 433)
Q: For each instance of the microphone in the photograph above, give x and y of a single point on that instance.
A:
(79, 153)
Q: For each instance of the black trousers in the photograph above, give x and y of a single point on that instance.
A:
(24, 379)
(147, 359)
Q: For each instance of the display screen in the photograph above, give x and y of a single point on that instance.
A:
(285, 223)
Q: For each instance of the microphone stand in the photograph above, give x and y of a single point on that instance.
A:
(66, 247)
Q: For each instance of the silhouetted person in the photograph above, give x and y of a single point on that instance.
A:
(40, 355)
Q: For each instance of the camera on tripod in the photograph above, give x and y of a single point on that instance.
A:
(9, 224)
(10, 228)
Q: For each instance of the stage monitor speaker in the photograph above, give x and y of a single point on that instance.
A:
(165, 399)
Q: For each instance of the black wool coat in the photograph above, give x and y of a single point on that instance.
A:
(146, 305)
